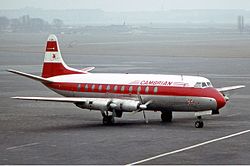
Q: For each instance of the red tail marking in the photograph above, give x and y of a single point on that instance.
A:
(51, 46)
(55, 69)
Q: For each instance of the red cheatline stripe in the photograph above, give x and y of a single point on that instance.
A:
(162, 90)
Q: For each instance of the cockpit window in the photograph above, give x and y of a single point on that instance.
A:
(209, 84)
(198, 85)
(203, 84)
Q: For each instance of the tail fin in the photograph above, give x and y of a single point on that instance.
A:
(53, 62)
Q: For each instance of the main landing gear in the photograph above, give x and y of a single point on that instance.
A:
(166, 116)
(108, 119)
(199, 123)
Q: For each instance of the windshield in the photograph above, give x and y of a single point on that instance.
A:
(203, 85)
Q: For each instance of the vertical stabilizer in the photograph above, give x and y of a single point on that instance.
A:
(53, 62)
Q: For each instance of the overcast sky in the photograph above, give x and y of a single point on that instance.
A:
(126, 5)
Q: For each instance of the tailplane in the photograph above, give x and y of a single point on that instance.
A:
(53, 62)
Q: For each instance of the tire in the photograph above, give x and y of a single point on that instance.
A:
(111, 120)
(108, 120)
(199, 124)
(166, 116)
(105, 120)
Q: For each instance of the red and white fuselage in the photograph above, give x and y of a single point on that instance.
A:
(177, 93)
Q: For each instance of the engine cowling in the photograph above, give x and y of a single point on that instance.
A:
(95, 104)
(110, 104)
(126, 105)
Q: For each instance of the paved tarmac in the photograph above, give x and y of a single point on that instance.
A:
(59, 133)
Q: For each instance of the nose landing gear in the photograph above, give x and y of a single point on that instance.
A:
(199, 123)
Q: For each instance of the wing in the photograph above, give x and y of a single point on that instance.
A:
(230, 88)
(54, 99)
(95, 103)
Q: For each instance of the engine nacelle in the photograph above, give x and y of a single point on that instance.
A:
(126, 105)
(95, 104)
(109, 104)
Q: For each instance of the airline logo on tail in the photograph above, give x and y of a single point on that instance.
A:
(52, 54)
(53, 62)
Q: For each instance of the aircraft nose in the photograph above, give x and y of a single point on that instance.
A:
(221, 101)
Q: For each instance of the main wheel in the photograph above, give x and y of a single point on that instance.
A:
(199, 124)
(108, 120)
(111, 120)
(166, 116)
(105, 120)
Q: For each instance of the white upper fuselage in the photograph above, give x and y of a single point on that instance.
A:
(131, 79)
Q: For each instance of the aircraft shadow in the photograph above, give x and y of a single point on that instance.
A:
(96, 125)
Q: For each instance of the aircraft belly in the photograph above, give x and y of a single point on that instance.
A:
(181, 103)
(190, 103)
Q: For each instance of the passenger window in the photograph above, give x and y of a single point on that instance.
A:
(115, 88)
(93, 87)
(130, 89)
(100, 88)
(79, 87)
(155, 89)
(146, 89)
(122, 88)
(108, 88)
(86, 87)
(138, 89)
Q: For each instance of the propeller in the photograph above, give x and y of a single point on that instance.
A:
(229, 105)
(143, 107)
(226, 96)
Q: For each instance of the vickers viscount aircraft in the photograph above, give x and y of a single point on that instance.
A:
(113, 94)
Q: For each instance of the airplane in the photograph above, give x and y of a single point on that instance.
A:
(113, 93)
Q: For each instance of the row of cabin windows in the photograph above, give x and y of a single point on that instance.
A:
(115, 88)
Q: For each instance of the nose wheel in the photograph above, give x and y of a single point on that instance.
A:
(199, 123)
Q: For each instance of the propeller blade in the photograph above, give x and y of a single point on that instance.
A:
(140, 99)
(142, 107)
(135, 112)
(144, 115)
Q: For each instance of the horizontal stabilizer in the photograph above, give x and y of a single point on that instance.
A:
(34, 77)
(230, 88)
(87, 69)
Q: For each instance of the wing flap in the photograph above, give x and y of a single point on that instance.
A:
(230, 88)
